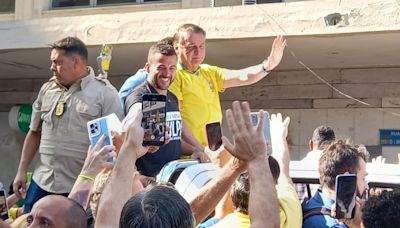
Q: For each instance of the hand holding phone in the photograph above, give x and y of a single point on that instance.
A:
(154, 117)
(214, 135)
(103, 126)
(346, 191)
(3, 205)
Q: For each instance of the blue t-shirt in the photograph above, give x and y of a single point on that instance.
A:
(130, 84)
(320, 221)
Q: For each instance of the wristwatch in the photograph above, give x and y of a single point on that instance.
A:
(265, 63)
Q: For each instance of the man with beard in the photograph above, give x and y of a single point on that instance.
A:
(161, 68)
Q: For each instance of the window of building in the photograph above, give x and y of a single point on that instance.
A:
(267, 1)
(7, 6)
(67, 3)
(102, 2)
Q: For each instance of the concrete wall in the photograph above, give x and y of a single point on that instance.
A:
(310, 103)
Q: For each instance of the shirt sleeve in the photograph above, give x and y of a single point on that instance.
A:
(36, 118)
(176, 87)
(111, 102)
(130, 117)
(219, 78)
(290, 211)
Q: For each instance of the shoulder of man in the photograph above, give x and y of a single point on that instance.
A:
(103, 81)
(104, 85)
(209, 67)
(52, 82)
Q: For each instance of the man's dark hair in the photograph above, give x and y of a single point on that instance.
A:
(158, 206)
(162, 48)
(323, 136)
(71, 45)
(382, 211)
(167, 40)
(188, 27)
(337, 158)
(240, 191)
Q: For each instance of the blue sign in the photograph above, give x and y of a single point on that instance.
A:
(389, 137)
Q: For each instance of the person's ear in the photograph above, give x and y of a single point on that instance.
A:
(76, 61)
(147, 67)
(310, 144)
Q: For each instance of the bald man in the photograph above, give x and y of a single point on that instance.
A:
(57, 211)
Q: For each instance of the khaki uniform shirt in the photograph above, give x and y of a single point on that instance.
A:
(64, 139)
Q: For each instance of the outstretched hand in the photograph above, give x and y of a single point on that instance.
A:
(248, 141)
(275, 57)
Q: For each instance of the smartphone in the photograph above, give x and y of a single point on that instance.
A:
(214, 135)
(153, 122)
(3, 205)
(267, 134)
(346, 191)
(103, 126)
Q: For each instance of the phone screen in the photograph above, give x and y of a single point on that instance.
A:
(3, 205)
(153, 122)
(267, 134)
(214, 135)
(346, 190)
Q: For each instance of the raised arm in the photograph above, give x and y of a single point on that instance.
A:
(280, 149)
(250, 146)
(206, 201)
(118, 189)
(253, 74)
(95, 161)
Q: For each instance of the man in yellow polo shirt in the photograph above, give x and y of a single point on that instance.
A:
(197, 85)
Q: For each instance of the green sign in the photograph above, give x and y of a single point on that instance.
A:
(24, 117)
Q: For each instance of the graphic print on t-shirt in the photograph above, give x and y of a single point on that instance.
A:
(174, 121)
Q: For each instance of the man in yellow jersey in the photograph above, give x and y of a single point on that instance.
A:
(197, 85)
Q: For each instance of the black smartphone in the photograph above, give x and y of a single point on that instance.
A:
(346, 191)
(153, 122)
(214, 135)
(3, 205)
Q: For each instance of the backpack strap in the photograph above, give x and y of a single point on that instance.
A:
(316, 211)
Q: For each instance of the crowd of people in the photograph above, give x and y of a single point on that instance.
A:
(76, 185)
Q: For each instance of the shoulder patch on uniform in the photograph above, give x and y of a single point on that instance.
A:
(103, 80)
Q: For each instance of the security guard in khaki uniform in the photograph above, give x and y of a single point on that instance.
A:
(65, 103)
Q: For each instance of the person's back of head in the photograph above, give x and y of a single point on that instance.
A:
(167, 40)
(322, 136)
(338, 158)
(158, 206)
(382, 211)
(57, 211)
(240, 191)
